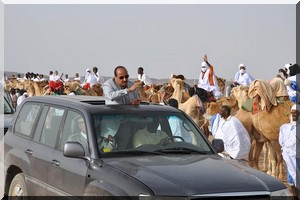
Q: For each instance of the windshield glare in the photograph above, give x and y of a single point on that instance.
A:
(131, 132)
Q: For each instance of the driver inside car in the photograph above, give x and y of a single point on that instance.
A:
(149, 135)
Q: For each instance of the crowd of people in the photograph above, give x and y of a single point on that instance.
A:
(17, 96)
(120, 90)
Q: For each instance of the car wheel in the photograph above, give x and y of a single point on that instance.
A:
(18, 186)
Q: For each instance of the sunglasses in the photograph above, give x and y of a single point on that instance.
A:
(122, 77)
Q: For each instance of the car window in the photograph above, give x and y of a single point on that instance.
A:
(26, 118)
(51, 126)
(110, 125)
(74, 130)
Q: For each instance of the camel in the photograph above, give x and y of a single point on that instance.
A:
(8, 85)
(214, 107)
(97, 88)
(33, 88)
(163, 94)
(40, 88)
(143, 95)
(193, 106)
(241, 92)
(179, 92)
(156, 93)
(221, 83)
(26, 85)
(75, 86)
(263, 126)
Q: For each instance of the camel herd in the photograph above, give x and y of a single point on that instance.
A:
(262, 126)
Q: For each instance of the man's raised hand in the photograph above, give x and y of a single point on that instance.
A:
(205, 58)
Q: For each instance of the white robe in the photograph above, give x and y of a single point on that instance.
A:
(91, 79)
(287, 141)
(204, 84)
(146, 79)
(52, 77)
(234, 135)
(243, 79)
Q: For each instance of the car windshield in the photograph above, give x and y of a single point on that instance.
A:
(156, 134)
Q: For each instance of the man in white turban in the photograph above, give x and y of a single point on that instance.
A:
(287, 140)
(241, 78)
(208, 80)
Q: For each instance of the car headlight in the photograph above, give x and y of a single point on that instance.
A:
(149, 197)
(281, 193)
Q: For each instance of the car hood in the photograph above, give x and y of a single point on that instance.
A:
(194, 175)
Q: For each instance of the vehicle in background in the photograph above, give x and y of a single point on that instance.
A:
(7, 113)
(8, 97)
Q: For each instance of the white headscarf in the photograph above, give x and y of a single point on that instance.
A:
(242, 65)
(287, 67)
(296, 107)
(242, 71)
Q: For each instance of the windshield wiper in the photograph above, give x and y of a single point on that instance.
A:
(182, 150)
(135, 152)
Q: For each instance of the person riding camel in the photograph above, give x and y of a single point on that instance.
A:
(241, 78)
(208, 80)
(89, 81)
(55, 82)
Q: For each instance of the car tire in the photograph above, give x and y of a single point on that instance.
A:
(18, 187)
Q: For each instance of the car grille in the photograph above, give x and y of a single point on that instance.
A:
(256, 195)
(259, 197)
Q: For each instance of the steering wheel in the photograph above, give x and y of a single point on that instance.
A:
(169, 140)
(175, 136)
(107, 144)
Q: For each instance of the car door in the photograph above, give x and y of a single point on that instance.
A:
(67, 176)
(43, 144)
(33, 164)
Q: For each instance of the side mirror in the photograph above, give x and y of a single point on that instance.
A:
(218, 144)
(73, 150)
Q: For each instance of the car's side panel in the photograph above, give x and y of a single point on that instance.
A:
(22, 160)
(67, 174)
(38, 163)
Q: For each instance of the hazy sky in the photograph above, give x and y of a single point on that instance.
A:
(164, 39)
